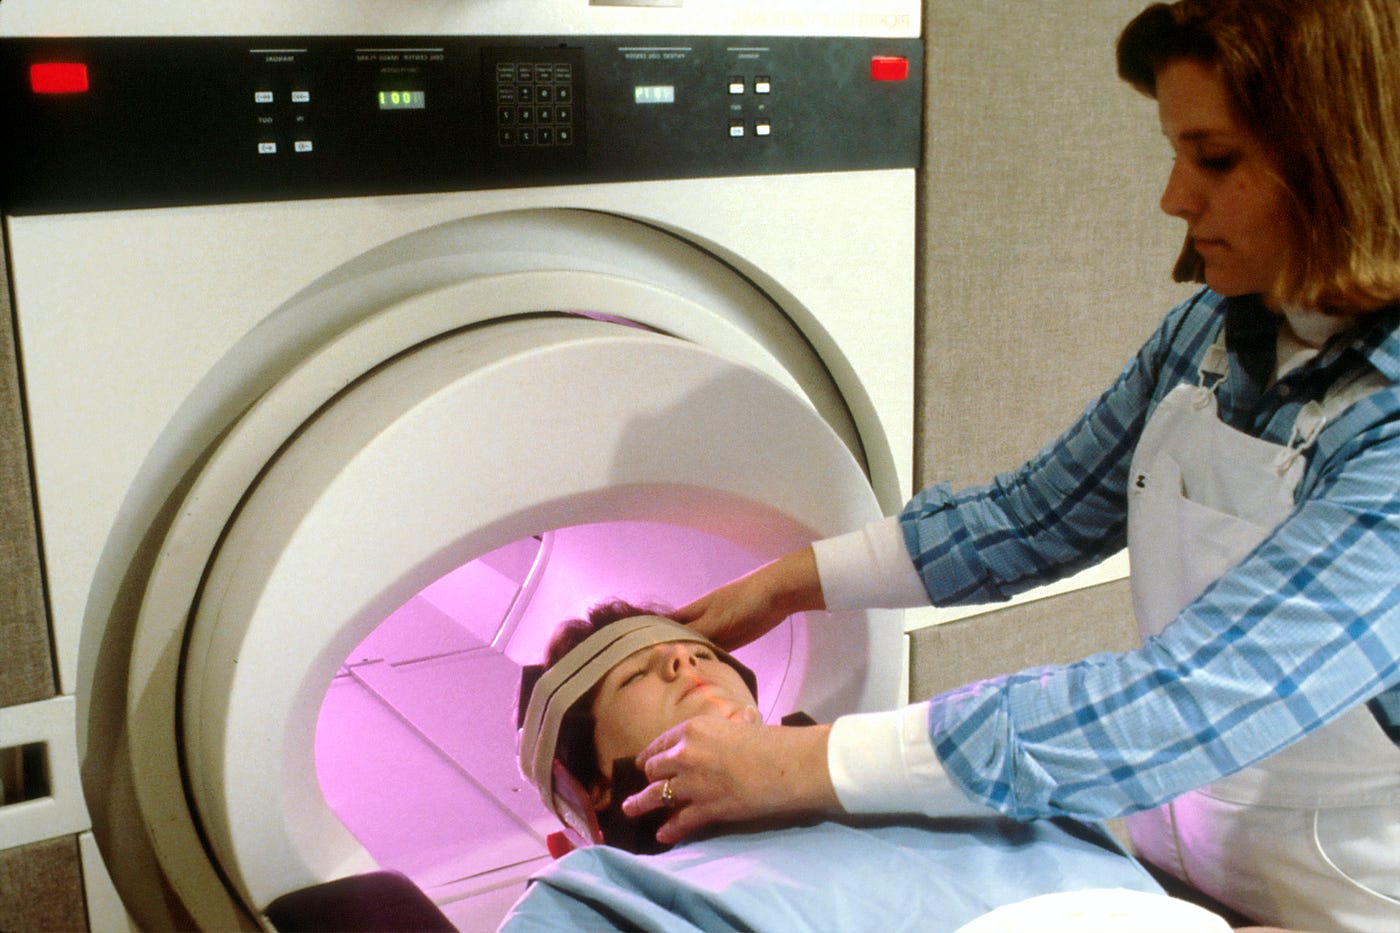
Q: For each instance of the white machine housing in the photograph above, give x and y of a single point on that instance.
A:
(261, 428)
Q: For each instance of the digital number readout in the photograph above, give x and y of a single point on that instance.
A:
(654, 94)
(403, 100)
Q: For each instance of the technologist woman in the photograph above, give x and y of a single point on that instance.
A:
(1249, 455)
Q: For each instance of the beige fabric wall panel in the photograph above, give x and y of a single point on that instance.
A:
(1045, 260)
(26, 667)
(41, 887)
(1057, 630)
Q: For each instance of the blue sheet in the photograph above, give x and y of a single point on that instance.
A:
(915, 874)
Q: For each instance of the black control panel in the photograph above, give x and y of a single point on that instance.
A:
(120, 123)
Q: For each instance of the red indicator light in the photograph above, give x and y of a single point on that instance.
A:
(889, 68)
(58, 78)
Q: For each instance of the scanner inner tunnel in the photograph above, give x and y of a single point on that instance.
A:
(416, 740)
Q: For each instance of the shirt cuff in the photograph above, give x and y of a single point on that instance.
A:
(869, 568)
(885, 763)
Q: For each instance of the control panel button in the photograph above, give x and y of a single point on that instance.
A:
(58, 77)
(267, 148)
(263, 97)
(763, 85)
(534, 102)
(736, 129)
(763, 128)
(737, 85)
(889, 68)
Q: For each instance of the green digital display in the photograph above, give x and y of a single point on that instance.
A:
(654, 94)
(403, 99)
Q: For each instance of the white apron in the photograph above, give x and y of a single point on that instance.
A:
(1310, 837)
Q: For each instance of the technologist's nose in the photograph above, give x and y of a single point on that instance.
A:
(1177, 197)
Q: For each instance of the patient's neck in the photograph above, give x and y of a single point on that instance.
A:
(622, 831)
(639, 835)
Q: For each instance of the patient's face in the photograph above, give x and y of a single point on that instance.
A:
(652, 690)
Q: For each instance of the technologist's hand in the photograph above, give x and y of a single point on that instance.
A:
(742, 611)
(723, 771)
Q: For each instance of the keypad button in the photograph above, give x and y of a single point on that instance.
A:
(534, 104)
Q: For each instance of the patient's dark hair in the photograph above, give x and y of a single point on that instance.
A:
(575, 748)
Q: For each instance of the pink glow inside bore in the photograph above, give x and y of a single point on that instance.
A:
(416, 740)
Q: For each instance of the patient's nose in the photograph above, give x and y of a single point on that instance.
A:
(677, 658)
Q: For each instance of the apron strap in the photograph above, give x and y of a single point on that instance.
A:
(1317, 414)
(1215, 365)
(1312, 417)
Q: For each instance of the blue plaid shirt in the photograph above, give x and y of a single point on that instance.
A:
(1303, 629)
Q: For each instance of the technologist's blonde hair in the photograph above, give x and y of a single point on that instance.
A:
(1318, 82)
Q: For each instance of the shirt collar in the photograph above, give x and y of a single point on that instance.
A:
(1379, 343)
(1253, 330)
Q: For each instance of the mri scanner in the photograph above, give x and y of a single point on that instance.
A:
(362, 343)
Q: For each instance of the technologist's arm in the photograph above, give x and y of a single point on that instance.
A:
(742, 611)
(1061, 512)
(723, 771)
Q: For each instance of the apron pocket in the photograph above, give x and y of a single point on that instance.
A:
(1363, 845)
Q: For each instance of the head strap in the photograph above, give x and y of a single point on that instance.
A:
(575, 674)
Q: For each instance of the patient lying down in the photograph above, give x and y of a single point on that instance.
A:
(621, 677)
(645, 675)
